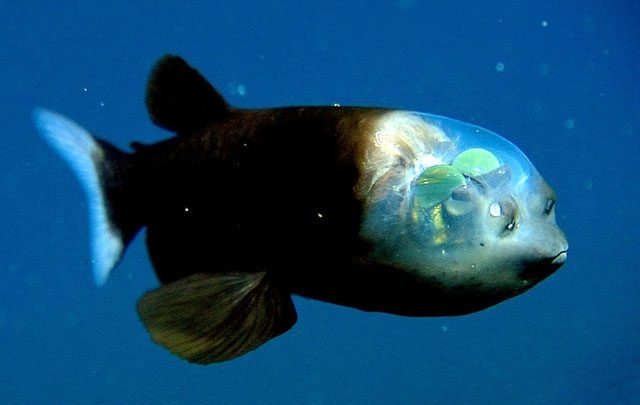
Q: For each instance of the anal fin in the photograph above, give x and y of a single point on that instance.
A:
(208, 318)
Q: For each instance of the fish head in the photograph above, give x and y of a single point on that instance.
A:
(460, 208)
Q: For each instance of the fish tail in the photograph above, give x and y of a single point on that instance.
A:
(102, 171)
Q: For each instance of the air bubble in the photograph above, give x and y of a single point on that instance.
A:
(569, 124)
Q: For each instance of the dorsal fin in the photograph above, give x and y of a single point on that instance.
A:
(179, 98)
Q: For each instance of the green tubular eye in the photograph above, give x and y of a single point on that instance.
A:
(436, 184)
(476, 162)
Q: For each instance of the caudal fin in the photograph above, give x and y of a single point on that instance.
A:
(91, 161)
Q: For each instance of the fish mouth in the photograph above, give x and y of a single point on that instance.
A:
(559, 259)
(555, 262)
(540, 270)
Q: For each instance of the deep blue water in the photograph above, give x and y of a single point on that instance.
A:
(558, 78)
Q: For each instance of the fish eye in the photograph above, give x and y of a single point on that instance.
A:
(549, 206)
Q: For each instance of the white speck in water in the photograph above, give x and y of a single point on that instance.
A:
(544, 23)
(500, 67)
(588, 184)
(444, 328)
(84, 89)
(242, 90)
(569, 124)
(102, 104)
(336, 104)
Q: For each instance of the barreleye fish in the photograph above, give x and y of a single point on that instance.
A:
(372, 208)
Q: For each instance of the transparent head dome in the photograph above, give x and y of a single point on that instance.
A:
(436, 189)
(473, 142)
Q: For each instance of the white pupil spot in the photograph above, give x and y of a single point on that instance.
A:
(494, 209)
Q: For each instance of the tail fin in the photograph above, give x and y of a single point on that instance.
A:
(95, 164)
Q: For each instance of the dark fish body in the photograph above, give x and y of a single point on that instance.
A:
(376, 209)
(281, 196)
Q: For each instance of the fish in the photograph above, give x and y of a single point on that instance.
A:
(376, 209)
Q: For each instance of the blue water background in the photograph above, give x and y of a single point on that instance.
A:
(558, 78)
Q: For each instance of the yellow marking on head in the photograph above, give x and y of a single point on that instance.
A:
(440, 235)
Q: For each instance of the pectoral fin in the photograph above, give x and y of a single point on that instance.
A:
(207, 318)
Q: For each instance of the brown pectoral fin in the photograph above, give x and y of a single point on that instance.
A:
(207, 318)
